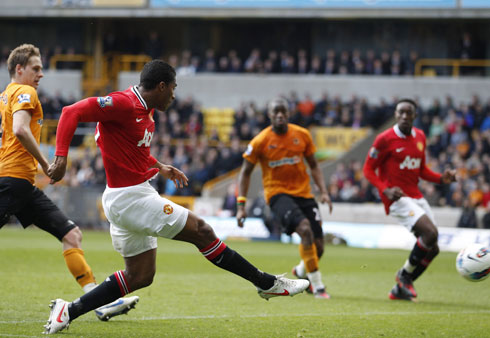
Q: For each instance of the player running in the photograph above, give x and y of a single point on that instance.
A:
(22, 119)
(281, 150)
(136, 212)
(394, 165)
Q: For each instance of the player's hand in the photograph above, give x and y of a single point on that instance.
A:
(175, 175)
(394, 193)
(448, 176)
(241, 215)
(57, 169)
(325, 198)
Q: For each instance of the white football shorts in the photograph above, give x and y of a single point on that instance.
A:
(408, 210)
(138, 214)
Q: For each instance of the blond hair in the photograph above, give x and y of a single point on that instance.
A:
(20, 56)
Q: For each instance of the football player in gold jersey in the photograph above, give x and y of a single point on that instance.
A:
(20, 154)
(282, 149)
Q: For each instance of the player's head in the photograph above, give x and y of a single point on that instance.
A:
(405, 113)
(158, 80)
(25, 66)
(278, 112)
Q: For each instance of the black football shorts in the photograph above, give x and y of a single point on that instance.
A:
(30, 205)
(291, 210)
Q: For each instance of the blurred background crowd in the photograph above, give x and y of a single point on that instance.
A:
(458, 136)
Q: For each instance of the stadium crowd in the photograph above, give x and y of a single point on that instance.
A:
(330, 62)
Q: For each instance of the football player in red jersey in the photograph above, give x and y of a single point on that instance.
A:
(394, 165)
(136, 212)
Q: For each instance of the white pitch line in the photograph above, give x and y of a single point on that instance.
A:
(339, 314)
(267, 315)
(16, 335)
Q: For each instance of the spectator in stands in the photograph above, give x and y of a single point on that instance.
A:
(153, 45)
(229, 201)
(209, 61)
(223, 64)
(468, 216)
(386, 63)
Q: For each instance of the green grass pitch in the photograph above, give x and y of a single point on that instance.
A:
(191, 298)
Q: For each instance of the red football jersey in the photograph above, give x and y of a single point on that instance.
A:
(399, 161)
(124, 132)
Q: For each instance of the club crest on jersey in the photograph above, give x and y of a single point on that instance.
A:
(420, 146)
(24, 98)
(296, 141)
(373, 153)
(168, 209)
(104, 101)
(410, 163)
(4, 98)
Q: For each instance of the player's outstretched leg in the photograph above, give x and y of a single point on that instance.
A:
(202, 235)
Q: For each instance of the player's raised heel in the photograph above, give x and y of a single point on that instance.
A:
(284, 287)
(116, 308)
(59, 317)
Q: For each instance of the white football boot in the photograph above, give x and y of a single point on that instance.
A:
(284, 287)
(59, 318)
(116, 308)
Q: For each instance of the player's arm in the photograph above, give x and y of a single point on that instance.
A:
(373, 160)
(22, 130)
(243, 185)
(317, 175)
(448, 176)
(91, 109)
(170, 173)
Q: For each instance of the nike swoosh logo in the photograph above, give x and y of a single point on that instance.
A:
(285, 293)
(61, 312)
(115, 304)
(472, 258)
(399, 150)
(138, 120)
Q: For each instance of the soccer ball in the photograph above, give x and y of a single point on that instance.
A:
(473, 262)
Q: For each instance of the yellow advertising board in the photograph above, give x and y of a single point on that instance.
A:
(333, 141)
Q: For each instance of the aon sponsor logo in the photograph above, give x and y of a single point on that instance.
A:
(146, 139)
(410, 163)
